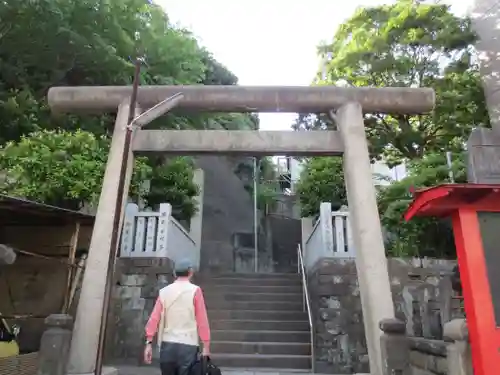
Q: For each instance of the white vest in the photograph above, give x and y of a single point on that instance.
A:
(178, 320)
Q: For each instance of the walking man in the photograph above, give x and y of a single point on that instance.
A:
(179, 317)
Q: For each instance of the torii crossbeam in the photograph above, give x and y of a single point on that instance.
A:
(349, 140)
(316, 99)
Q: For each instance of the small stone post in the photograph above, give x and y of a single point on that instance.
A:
(306, 224)
(54, 346)
(195, 226)
(459, 354)
(395, 348)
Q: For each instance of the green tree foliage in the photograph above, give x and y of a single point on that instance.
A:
(61, 168)
(420, 236)
(216, 73)
(408, 44)
(45, 43)
(411, 44)
(268, 188)
(322, 180)
(172, 182)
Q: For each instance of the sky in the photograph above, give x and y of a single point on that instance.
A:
(269, 42)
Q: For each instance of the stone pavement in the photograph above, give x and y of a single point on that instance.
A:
(153, 370)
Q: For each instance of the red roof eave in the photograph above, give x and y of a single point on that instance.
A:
(424, 200)
(442, 200)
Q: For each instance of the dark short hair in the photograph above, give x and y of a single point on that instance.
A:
(182, 273)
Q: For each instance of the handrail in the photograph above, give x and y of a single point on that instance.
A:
(182, 229)
(307, 302)
(315, 226)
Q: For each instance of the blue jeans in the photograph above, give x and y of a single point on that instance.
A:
(177, 359)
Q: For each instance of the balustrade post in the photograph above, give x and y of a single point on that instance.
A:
(325, 217)
(395, 348)
(55, 344)
(458, 351)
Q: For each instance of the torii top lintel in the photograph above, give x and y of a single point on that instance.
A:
(442, 200)
(315, 99)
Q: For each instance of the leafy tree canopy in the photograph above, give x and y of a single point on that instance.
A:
(420, 236)
(321, 180)
(172, 182)
(47, 43)
(61, 168)
(411, 44)
(268, 188)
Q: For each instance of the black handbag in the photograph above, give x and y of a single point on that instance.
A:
(204, 366)
(211, 368)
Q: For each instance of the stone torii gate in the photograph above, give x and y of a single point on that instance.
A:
(349, 140)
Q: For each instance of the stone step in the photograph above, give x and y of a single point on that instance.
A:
(245, 314)
(261, 336)
(260, 325)
(254, 297)
(250, 275)
(218, 304)
(231, 288)
(233, 281)
(262, 360)
(283, 348)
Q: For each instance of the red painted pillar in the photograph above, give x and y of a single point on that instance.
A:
(483, 332)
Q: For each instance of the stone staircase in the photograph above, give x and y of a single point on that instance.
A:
(257, 320)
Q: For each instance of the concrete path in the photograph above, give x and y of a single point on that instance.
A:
(150, 370)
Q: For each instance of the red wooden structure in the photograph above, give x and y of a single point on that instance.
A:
(475, 213)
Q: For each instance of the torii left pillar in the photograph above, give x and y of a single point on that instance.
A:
(85, 340)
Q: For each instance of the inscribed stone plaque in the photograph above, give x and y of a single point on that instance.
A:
(483, 157)
(489, 224)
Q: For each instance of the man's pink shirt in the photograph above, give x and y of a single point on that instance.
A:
(200, 311)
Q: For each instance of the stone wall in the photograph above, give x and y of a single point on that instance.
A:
(137, 283)
(418, 295)
(288, 206)
(286, 235)
(428, 357)
(227, 210)
(339, 337)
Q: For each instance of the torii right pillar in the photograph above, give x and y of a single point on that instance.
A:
(475, 213)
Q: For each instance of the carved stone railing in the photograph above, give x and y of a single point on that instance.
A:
(328, 237)
(342, 234)
(148, 234)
